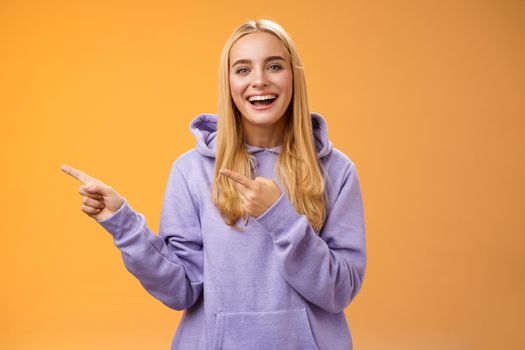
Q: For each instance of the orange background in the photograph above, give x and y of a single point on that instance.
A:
(427, 97)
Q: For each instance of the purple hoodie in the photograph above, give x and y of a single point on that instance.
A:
(278, 285)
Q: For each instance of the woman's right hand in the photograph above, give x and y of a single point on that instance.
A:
(99, 201)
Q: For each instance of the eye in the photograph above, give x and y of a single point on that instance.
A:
(241, 70)
(275, 67)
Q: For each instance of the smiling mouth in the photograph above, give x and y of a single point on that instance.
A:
(262, 100)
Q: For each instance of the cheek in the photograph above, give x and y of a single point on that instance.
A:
(235, 92)
(236, 89)
(286, 83)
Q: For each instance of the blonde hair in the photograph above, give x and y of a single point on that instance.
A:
(297, 167)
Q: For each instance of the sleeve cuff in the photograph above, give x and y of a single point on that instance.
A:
(124, 220)
(277, 219)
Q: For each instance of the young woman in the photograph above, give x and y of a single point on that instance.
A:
(262, 237)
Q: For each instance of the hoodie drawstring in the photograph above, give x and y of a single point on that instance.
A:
(253, 163)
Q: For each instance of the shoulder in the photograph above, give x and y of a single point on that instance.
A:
(196, 170)
(338, 167)
(338, 163)
(186, 160)
(192, 160)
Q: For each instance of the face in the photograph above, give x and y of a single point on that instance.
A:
(260, 78)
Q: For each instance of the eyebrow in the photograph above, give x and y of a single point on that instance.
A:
(271, 58)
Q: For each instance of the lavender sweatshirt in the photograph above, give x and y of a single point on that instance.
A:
(278, 285)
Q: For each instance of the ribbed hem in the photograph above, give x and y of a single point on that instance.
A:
(123, 220)
(279, 217)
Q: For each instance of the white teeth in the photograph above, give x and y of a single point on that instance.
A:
(261, 98)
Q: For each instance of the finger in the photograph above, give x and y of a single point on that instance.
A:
(88, 194)
(242, 195)
(239, 178)
(77, 174)
(264, 180)
(98, 188)
(94, 203)
(244, 204)
(89, 210)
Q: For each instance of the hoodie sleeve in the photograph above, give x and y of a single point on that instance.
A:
(168, 265)
(326, 269)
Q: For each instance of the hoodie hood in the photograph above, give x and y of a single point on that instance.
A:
(204, 128)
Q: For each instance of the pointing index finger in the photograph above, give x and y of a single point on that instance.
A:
(235, 176)
(77, 174)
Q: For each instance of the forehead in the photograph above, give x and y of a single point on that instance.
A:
(257, 46)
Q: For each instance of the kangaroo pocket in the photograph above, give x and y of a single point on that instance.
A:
(265, 330)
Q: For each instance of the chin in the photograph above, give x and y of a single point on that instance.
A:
(262, 118)
(268, 117)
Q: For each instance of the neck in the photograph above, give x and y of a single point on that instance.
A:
(264, 136)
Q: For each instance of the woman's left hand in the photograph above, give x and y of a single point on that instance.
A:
(256, 195)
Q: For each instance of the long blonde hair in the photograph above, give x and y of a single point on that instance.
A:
(297, 167)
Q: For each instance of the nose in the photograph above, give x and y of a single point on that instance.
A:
(259, 78)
